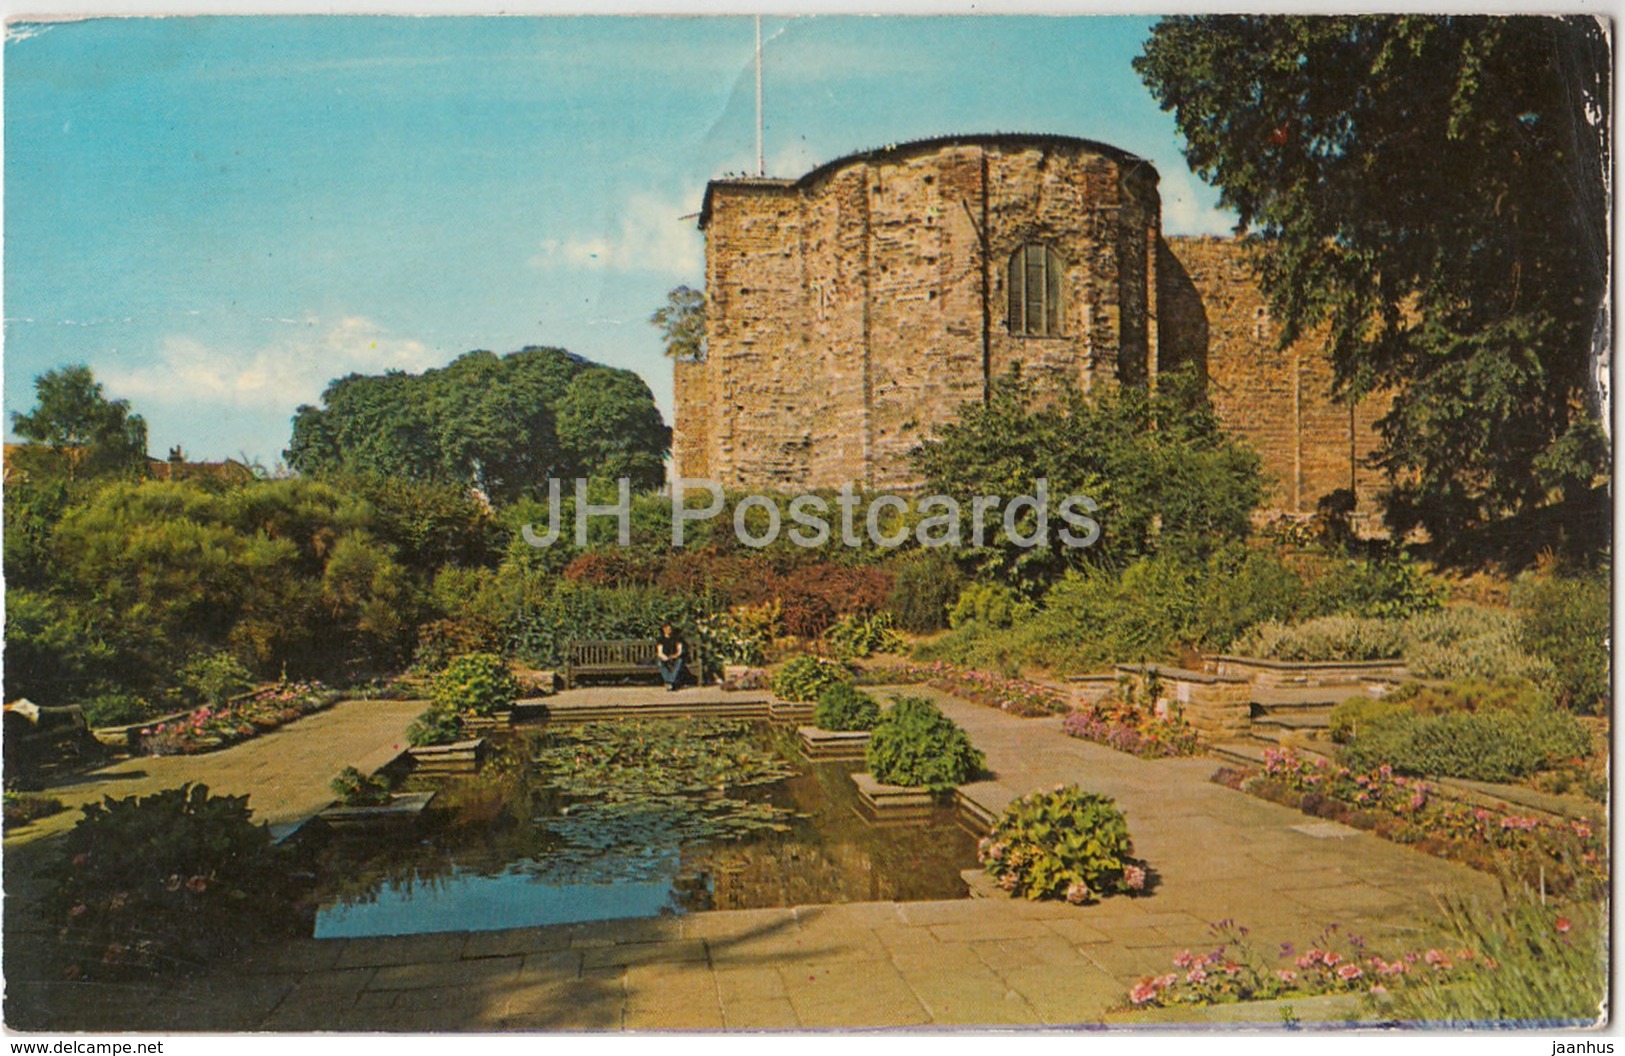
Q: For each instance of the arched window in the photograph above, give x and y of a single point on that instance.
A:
(1035, 290)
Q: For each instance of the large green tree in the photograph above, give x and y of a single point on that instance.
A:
(503, 424)
(83, 431)
(1433, 191)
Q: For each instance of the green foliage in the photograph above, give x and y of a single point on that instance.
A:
(682, 324)
(545, 619)
(1064, 843)
(1329, 638)
(478, 684)
(842, 706)
(1163, 473)
(1567, 622)
(804, 678)
(1484, 733)
(1552, 967)
(1432, 190)
(356, 789)
(436, 725)
(213, 678)
(1391, 588)
(915, 745)
(174, 879)
(927, 583)
(863, 635)
(502, 424)
(743, 634)
(116, 707)
(991, 605)
(24, 808)
(86, 433)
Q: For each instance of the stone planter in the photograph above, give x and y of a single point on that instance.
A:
(894, 804)
(403, 809)
(1218, 706)
(461, 757)
(824, 745)
(488, 723)
(1288, 674)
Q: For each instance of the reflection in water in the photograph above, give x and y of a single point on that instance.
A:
(512, 852)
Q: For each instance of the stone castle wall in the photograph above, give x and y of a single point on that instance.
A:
(853, 310)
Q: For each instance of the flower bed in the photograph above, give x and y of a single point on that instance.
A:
(1333, 964)
(1139, 731)
(209, 728)
(1559, 857)
(1013, 695)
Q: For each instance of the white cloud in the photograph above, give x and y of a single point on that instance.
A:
(287, 372)
(1190, 207)
(653, 234)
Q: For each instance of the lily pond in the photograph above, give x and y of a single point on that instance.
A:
(633, 818)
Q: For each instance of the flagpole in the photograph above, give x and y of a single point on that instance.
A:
(761, 162)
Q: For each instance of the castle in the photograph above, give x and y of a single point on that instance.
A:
(852, 310)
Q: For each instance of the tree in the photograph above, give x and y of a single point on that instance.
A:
(682, 324)
(486, 421)
(1433, 192)
(87, 432)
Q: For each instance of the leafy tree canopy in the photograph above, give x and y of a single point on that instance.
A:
(1162, 472)
(503, 424)
(1433, 190)
(87, 432)
(682, 323)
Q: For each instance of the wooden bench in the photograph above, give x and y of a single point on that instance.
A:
(627, 658)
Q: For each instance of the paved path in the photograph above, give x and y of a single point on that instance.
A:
(1215, 854)
(285, 773)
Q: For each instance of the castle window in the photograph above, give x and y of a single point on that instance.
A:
(1035, 291)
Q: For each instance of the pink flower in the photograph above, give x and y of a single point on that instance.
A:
(1196, 975)
(1438, 959)
(1134, 877)
(197, 885)
(1286, 975)
(1563, 925)
(1378, 988)
(1183, 959)
(1142, 992)
(1077, 892)
(1582, 830)
(1307, 961)
(77, 911)
(996, 852)
(1349, 971)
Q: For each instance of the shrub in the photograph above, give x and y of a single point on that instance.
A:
(435, 726)
(805, 677)
(22, 808)
(927, 582)
(1498, 738)
(215, 678)
(356, 789)
(116, 708)
(987, 604)
(1391, 588)
(479, 683)
(1567, 622)
(863, 635)
(1551, 967)
(547, 621)
(917, 746)
(1064, 843)
(843, 706)
(1358, 713)
(814, 596)
(743, 634)
(176, 878)
(1469, 642)
(1328, 638)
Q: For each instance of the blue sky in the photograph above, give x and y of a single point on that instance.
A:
(220, 215)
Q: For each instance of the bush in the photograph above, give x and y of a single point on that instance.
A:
(863, 635)
(927, 582)
(435, 726)
(1065, 843)
(117, 708)
(989, 605)
(1476, 732)
(843, 706)
(479, 683)
(1567, 623)
(546, 621)
(356, 789)
(804, 678)
(215, 678)
(1391, 588)
(22, 808)
(1469, 642)
(1329, 638)
(743, 634)
(177, 878)
(917, 746)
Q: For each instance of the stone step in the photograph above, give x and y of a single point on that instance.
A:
(1294, 721)
(1293, 698)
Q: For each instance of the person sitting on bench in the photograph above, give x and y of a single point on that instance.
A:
(670, 654)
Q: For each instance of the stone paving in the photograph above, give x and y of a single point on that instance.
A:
(1214, 854)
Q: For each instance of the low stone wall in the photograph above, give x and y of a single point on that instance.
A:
(1288, 673)
(1217, 705)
